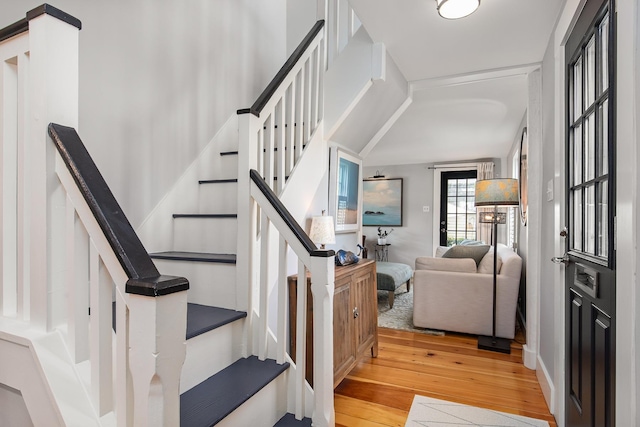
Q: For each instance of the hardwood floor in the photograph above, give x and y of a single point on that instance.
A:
(379, 391)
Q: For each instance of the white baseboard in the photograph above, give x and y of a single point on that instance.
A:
(546, 384)
(529, 357)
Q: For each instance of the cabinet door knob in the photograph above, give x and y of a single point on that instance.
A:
(356, 313)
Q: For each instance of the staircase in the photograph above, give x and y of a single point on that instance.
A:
(234, 243)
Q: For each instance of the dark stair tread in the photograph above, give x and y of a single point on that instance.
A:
(200, 318)
(195, 256)
(218, 181)
(205, 215)
(216, 397)
(289, 420)
(229, 153)
(203, 318)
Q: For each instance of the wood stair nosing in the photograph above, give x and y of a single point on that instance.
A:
(213, 399)
(195, 257)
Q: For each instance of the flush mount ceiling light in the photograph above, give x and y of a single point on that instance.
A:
(454, 9)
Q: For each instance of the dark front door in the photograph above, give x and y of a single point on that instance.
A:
(457, 207)
(590, 274)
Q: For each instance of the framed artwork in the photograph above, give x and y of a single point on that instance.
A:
(524, 152)
(382, 202)
(345, 190)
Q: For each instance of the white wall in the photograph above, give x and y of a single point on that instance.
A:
(13, 410)
(301, 16)
(158, 79)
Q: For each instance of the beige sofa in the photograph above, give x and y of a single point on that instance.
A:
(452, 294)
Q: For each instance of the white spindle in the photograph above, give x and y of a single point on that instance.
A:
(316, 86)
(260, 166)
(77, 277)
(291, 129)
(280, 144)
(264, 286)
(123, 383)
(283, 300)
(101, 330)
(308, 101)
(269, 150)
(300, 141)
(301, 338)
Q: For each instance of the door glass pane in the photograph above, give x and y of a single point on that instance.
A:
(577, 219)
(577, 89)
(452, 187)
(462, 187)
(590, 72)
(604, 145)
(590, 147)
(577, 155)
(604, 59)
(603, 219)
(590, 220)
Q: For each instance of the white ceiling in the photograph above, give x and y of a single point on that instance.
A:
(488, 51)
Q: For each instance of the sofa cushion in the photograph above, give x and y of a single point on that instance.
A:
(486, 264)
(474, 252)
(457, 265)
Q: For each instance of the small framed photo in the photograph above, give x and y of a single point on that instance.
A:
(382, 202)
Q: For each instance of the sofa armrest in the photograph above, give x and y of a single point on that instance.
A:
(461, 265)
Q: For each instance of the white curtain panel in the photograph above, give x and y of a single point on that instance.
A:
(485, 171)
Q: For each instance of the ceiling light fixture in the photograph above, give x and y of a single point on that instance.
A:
(454, 9)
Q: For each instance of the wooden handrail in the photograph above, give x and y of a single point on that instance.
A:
(266, 95)
(144, 278)
(288, 218)
(23, 25)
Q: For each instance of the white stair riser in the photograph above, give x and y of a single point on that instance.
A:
(209, 353)
(211, 284)
(264, 409)
(218, 198)
(213, 235)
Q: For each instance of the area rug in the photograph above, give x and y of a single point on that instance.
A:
(401, 315)
(426, 411)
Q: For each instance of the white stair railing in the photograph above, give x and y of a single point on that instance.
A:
(293, 244)
(68, 255)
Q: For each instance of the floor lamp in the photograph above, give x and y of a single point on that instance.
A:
(494, 193)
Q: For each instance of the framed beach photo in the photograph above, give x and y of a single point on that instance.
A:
(344, 191)
(382, 202)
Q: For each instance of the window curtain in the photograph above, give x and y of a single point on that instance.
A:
(485, 171)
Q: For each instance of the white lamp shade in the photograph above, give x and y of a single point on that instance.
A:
(322, 231)
(454, 9)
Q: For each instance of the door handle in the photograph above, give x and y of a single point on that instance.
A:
(356, 313)
(564, 259)
(443, 230)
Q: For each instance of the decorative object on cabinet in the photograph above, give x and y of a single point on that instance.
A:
(382, 202)
(322, 231)
(355, 317)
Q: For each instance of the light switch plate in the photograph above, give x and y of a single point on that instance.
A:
(425, 209)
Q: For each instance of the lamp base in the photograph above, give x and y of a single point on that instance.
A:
(501, 345)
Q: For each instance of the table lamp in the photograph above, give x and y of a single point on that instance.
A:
(495, 192)
(322, 231)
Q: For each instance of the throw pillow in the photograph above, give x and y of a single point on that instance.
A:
(474, 252)
(469, 242)
(486, 264)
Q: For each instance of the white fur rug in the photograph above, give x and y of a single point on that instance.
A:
(429, 412)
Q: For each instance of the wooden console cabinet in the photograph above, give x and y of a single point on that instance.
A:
(355, 318)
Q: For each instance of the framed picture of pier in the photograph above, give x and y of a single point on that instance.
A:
(382, 202)
(345, 190)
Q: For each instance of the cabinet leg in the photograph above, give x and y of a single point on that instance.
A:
(391, 297)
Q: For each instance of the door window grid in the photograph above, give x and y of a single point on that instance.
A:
(461, 211)
(588, 136)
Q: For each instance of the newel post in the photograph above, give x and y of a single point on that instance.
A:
(158, 349)
(53, 97)
(322, 289)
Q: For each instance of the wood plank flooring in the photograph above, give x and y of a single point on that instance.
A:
(379, 391)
